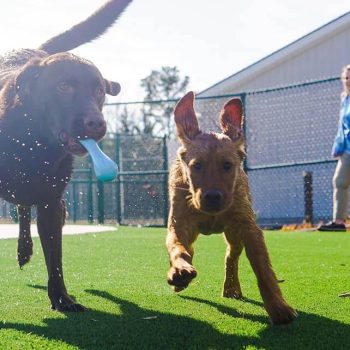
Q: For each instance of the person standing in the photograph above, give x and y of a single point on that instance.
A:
(341, 150)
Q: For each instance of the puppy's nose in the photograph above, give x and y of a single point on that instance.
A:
(94, 125)
(213, 199)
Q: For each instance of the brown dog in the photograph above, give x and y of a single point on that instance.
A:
(209, 194)
(49, 99)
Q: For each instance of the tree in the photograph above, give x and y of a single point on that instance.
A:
(162, 88)
(163, 85)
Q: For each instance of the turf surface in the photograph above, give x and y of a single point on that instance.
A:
(120, 276)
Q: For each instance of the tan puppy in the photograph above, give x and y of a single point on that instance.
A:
(209, 193)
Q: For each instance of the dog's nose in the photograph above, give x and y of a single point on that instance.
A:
(213, 199)
(94, 125)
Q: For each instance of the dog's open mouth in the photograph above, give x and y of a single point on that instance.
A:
(71, 144)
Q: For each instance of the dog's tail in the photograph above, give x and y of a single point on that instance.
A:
(88, 30)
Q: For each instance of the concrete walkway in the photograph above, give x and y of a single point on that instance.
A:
(11, 230)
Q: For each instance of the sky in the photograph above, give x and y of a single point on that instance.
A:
(206, 40)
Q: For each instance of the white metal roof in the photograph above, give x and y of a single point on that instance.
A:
(297, 47)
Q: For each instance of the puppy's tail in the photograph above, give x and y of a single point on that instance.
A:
(88, 30)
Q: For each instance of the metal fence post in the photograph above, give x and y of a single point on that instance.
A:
(90, 198)
(165, 184)
(100, 203)
(13, 213)
(100, 200)
(118, 185)
(244, 129)
(308, 201)
(74, 202)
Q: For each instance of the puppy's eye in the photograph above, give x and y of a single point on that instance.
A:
(100, 92)
(197, 166)
(65, 87)
(227, 166)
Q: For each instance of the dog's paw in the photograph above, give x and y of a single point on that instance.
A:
(281, 313)
(180, 277)
(64, 303)
(233, 293)
(24, 252)
(179, 289)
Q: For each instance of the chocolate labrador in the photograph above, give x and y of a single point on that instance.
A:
(49, 99)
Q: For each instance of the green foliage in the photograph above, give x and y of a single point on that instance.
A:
(162, 87)
(164, 84)
(120, 276)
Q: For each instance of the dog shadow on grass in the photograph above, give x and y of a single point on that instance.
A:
(140, 328)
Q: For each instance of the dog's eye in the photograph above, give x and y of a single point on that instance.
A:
(227, 166)
(65, 87)
(100, 92)
(197, 166)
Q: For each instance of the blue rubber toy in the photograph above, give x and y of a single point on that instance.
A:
(105, 168)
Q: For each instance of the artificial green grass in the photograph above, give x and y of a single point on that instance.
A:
(120, 276)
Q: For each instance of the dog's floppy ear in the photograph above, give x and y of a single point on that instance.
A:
(185, 118)
(231, 118)
(112, 88)
(25, 80)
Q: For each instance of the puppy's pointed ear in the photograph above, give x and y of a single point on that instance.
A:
(185, 118)
(231, 118)
(26, 79)
(112, 88)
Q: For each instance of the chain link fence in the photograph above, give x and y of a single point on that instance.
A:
(289, 134)
(137, 197)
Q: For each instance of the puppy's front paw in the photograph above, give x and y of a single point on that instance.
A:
(234, 293)
(281, 313)
(180, 276)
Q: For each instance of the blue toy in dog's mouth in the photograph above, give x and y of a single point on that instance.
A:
(105, 168)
